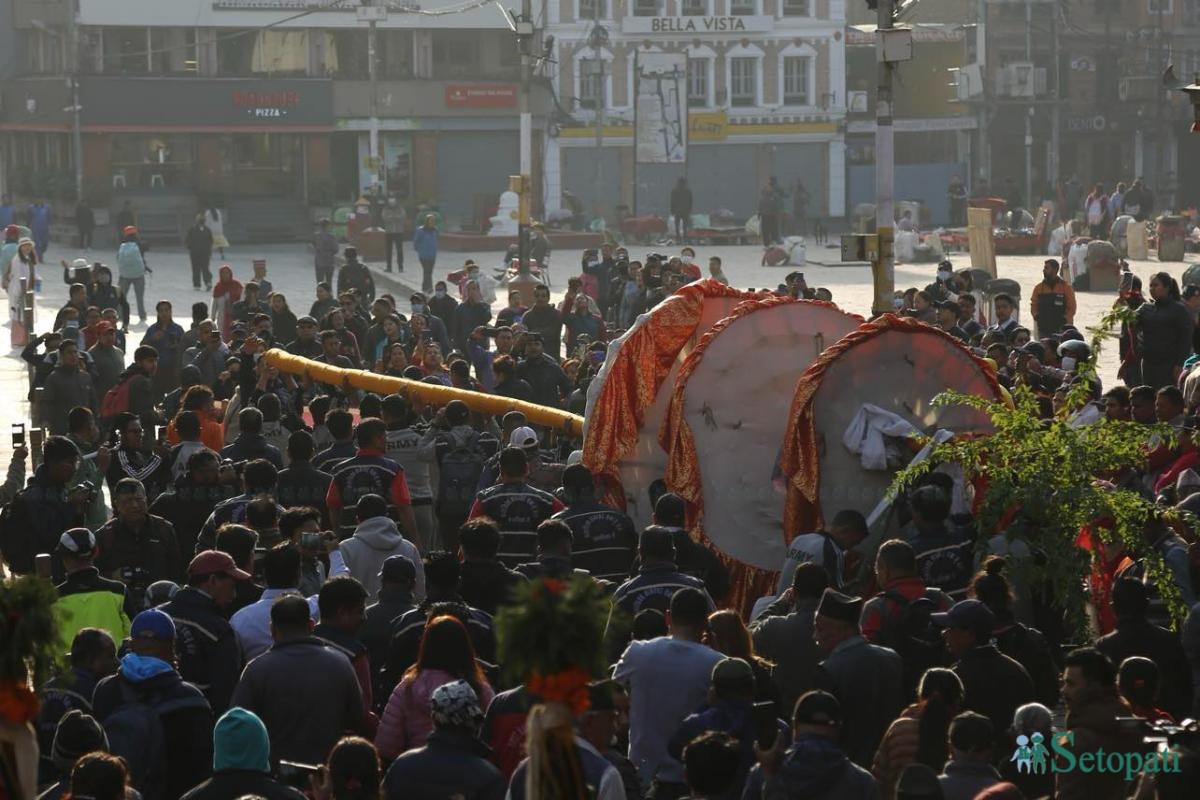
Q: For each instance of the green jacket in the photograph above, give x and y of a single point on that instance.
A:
(97, 512)
(86, 600)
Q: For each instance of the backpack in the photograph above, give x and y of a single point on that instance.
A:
(116, 399)
(459, 470)
(135, 732)
(18, 545)
(912, 635)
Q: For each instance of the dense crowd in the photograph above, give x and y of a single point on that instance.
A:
(296, 587)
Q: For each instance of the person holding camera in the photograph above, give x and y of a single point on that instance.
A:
(136, 547)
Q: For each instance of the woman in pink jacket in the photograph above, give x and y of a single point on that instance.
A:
(446, 655)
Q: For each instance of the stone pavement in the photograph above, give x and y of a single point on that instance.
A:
(290, 270)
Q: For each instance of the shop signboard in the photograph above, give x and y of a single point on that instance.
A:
(202, 103)
(481, 95)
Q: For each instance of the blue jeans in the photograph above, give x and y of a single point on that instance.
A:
(139, 287)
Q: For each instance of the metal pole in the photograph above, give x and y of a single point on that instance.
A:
(525, 42)
(1055, 111)
(374, 80)
(984, 157)
(1029, 111)
(601, 99)
(1160, 175)
(73, 79)
(883, 268)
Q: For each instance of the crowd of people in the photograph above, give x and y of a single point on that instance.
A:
(269, 585)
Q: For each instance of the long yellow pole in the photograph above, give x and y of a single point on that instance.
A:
(557, 419)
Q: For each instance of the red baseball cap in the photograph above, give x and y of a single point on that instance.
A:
(212, 562)
(104, 325)
(129, 230)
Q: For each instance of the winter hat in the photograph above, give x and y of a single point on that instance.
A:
(455, 706)
(918, 782)
(240, 742)
(77, 735)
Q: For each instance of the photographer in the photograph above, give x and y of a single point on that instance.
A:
(136, 547)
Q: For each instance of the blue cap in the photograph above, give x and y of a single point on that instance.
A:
(152, 624)
(969, 614)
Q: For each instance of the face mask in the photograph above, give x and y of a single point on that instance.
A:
(418, 308)
(439, 293)
(898, 303)
(943, 276)
(1068, 363)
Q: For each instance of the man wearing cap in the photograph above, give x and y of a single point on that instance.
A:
(543, 473)
(453, 762)
(729, 709)
(814, 767)
(250, 304)
(109, 360)
(306, 345)
(516, 506)
(85, 599)
(397, 580)
(168, 758)
(132, 269)
(241, 762)
(206, 645)
(994, 685)
(77, 734)
(298, 667)
(604, 540)
(1052, 301)
(867, 680)
(551, 386)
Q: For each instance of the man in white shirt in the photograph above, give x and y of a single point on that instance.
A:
(667, 678)
(252, 624)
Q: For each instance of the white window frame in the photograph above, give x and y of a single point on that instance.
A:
(798, 51)
(705, 12)
(658, 10)
(757, 10)
(744, 51)
(709, 56)
(806, 15)
(589, 54)
(580, 16)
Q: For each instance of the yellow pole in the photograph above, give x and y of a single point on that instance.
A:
(555, 418)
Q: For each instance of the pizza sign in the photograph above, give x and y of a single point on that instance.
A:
(266, 105)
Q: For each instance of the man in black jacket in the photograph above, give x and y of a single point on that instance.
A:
(250, 443)
(169, 761)
(68, 386)
(301, 484)
(397, 578)
(868, 680)
(652, 586)
(453, 762)
(604, 539)
(206, 645)
(191, 497)
(993, 684)
(299, 666)
(1137, 636)
(136, 547)
(691, 557)
(486, 583)
(550, 385)
(46, 506)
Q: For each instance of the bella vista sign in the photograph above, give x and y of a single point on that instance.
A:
(748, 24)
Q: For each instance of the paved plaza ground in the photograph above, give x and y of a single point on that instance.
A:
(290, 269)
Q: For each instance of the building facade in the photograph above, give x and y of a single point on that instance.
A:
(765, 98)
(264, 102)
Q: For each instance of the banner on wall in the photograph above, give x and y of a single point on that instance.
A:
(660, 110)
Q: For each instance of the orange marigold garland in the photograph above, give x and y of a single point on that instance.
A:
(551, 639)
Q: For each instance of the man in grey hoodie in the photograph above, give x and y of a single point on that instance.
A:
(374, 540)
